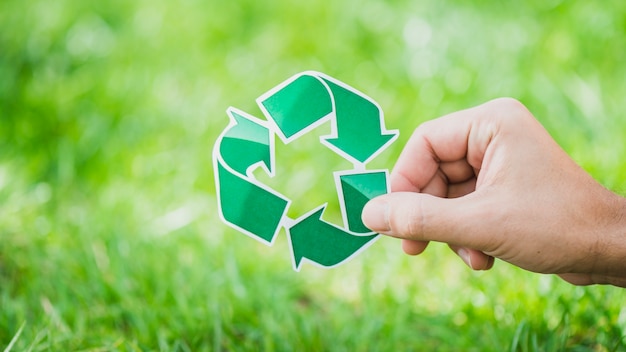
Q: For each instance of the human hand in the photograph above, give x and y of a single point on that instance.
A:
(491, 182)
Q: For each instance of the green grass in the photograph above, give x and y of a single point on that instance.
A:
(109, 236)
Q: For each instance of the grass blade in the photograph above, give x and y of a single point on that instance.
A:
(14, 340)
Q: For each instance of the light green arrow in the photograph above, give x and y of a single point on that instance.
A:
(244, 204)
(323, 243)
(356, 190)
(360, 133)
(297, 105)
(245, 143)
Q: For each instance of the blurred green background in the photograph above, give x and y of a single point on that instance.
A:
(109, 237)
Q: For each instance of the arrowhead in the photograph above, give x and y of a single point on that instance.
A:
(323, 243)
(302, 232)
(359, 133)
(363, 150)
(247, 142)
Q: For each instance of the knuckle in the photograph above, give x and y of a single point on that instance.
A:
(508, 103)
(512, 109)
(408, 222)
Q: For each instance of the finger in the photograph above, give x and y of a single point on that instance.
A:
(578, 279)
(451, 180)
(411, 247)
(439, 188)
(461, 189)
(591, 279)
(438, 185)
(476, 260)
(442, 140)
(422, 217)
(492, 261)
(448, 172)
(457, 171)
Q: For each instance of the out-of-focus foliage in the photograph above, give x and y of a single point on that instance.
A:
(109, 237)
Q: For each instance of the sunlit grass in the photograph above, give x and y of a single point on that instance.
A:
(109, 234)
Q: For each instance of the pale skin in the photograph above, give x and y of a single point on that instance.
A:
(492, 183)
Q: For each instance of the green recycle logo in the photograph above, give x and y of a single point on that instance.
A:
(292, 109)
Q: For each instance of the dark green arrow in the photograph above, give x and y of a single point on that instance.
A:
(357, 189)
(245, 143)
(323, 243)
(249, 207)
(297, 105)
(359, 125)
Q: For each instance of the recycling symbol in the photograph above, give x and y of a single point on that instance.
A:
(294, 108)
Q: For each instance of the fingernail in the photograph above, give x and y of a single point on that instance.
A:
(375, 216)
(464, 254)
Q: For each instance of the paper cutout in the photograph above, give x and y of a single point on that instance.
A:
(294, 108)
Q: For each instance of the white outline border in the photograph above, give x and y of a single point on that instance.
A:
(307, 260)
(217, 158)
(331, 116)
(273, 129)
(342, 204)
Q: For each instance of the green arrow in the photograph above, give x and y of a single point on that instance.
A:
(360, 133)
(293, 108)
(244, 204)
(297, 105)
(246, 142)
(323, 243)
(249, 207)
(356, 190)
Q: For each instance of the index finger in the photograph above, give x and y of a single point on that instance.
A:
(443, 140)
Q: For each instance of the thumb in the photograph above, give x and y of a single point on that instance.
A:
(423, 217)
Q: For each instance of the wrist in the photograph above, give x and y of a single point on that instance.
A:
(611, 255)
